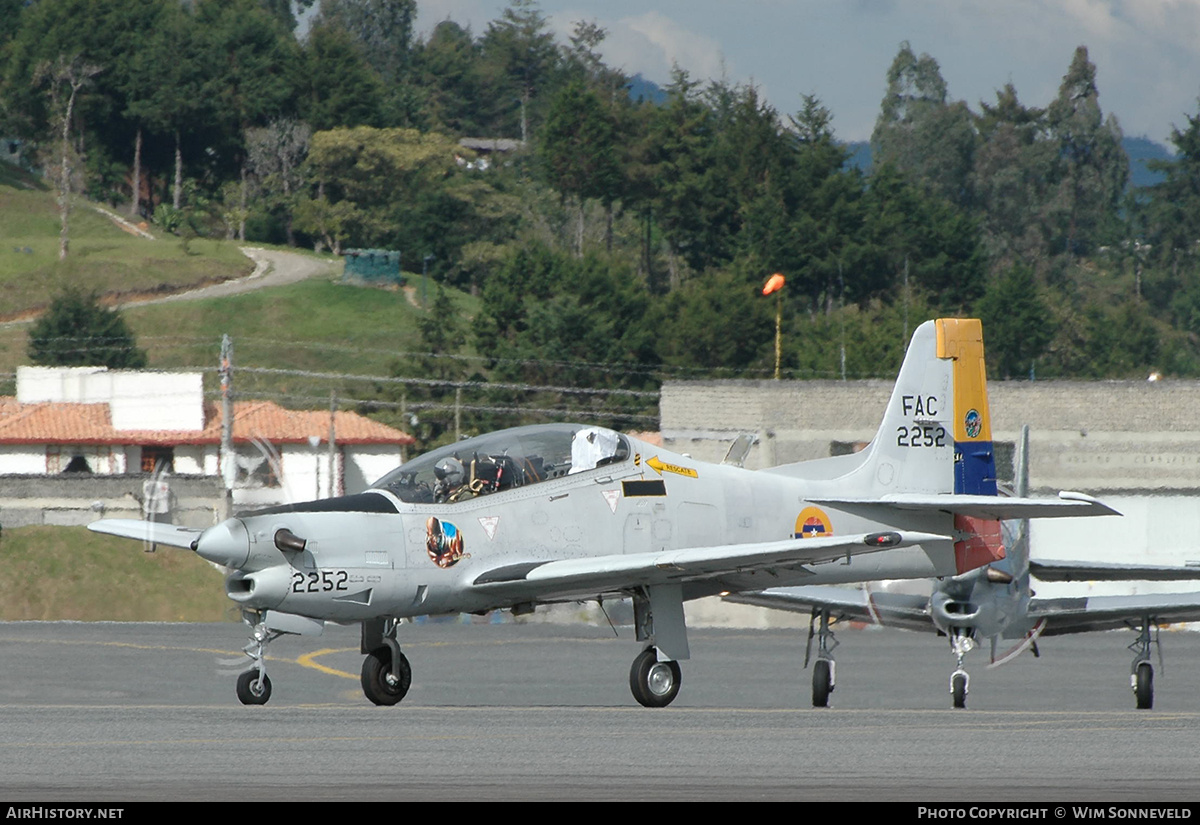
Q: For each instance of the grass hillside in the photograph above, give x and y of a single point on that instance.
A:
(69, 573)
(103, 257)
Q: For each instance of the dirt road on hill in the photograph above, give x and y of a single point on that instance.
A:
(272, 267)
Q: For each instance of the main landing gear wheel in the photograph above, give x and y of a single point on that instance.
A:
(1143, 685)
(379, 684)
(958, 689)
(822, 683)
(654, 684)
(1141, 676)
(253, 690)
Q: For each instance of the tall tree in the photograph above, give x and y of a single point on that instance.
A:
(578, 150)
(1092, 167)
(449, 66)
(920, 131)
(1011, 178)
(65, 77)
(383, 29)
(681, 137)
(276, 155)
(1173, 208)
(521, 52)
(338, 87)
(1018, 323)
(250, 59)
(166, 89)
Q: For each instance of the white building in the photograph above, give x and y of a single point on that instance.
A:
(91, 422)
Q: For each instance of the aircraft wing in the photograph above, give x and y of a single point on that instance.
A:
(1080, 615)
(1067, 505)
(904, 610)
(172, 535)
(1050, 570)
(619, 572)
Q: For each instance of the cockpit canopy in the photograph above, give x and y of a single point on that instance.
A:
(503, 460)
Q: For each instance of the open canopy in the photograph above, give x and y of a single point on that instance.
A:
(503, 460)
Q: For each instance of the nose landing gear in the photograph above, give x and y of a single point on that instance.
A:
(961, 644)
(253, 686)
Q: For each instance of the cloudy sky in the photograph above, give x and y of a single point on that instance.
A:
(1147, 52)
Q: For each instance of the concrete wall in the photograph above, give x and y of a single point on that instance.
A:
(1096, 436)
(29, 496)
(78, 500)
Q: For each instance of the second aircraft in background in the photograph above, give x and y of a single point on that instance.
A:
(994, 603)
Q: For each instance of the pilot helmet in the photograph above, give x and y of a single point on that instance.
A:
(450, 470)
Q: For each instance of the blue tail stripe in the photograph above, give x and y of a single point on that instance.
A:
(974, 468)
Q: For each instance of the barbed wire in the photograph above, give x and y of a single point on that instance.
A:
(437, 406)
(667, 371)
(623, 367)
(436, 382)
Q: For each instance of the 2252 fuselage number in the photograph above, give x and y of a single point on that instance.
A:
(323, 581)
(921, 435)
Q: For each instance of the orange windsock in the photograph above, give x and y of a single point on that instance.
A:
(773, 284)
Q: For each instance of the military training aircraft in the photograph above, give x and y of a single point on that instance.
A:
(568, 513)
(994, 602)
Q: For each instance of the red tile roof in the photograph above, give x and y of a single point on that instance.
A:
(65, 423)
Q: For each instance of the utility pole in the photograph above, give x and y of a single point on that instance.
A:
(334, 476)
(228, 457)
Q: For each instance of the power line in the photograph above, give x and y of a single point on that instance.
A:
(434, 382)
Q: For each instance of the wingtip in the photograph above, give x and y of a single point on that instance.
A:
(1071, 495)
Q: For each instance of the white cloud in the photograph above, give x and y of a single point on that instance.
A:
(674, 43)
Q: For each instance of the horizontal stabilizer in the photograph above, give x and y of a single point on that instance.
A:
(172, 535)
(1089, 613)
(1067, 505)
(1049, 570)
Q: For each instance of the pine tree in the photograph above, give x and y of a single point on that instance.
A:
(77, 332)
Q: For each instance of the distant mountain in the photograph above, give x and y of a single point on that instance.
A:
(860, 155)
(1139, 149)
(641, 89)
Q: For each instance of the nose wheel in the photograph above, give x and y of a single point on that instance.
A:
(253, 688)
(654, 684)
(959, 681)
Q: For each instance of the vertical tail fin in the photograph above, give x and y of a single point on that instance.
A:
(936, 434)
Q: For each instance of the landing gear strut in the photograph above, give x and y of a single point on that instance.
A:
(824, 669)
(1141, 672)
(961, 644)
(253, 686)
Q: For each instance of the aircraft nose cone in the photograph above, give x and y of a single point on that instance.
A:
(226, 544)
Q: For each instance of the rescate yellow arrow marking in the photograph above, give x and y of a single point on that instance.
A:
(661, 467)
